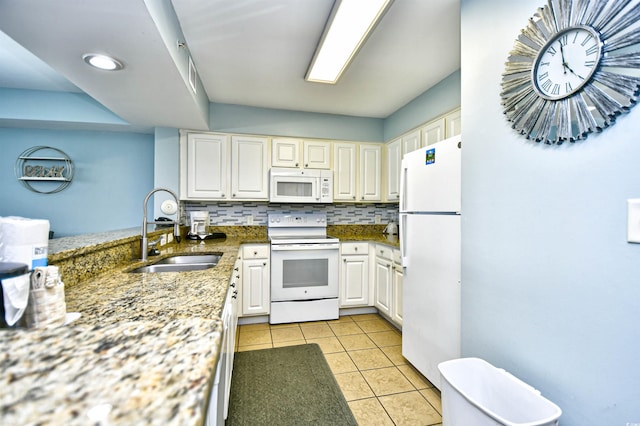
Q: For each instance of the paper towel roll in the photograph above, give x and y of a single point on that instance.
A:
(24, 240)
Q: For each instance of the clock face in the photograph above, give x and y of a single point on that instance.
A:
(573, 69)
(566, 63)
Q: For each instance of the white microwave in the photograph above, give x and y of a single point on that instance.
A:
(300, 185)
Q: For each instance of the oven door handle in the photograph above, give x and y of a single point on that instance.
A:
(298, 247)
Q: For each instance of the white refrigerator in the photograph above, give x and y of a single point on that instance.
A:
(430, 213)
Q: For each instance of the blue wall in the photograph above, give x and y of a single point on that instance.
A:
(440, 99)
(113, 173)
(550, 287)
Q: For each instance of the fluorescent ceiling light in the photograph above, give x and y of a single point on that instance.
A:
(102, 62)
(348, 27)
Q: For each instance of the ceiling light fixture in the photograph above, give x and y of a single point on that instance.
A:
(102, 62)
(349, 25)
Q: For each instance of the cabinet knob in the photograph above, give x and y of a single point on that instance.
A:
(297, 164)
(354, 197)
(355, 249)
(264, 264)
(233, 195)
(344, 260)
(221, 195)
(255, 253)
(306, 165)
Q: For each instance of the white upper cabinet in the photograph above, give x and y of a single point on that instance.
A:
(249, 168)
(411, 142)
(205, 174)
(317, 155)
(454, 123)
(357, 171)
(344, 171)
(393, 162)
(434, 132)
(287, 152)
(370, 171)
(447, 126)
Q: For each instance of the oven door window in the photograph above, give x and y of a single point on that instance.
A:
(297, 273)
(304, 274)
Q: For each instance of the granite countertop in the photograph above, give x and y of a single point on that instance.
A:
(143, 352)
(145, 348)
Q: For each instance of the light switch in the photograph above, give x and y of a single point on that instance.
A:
(633, 220)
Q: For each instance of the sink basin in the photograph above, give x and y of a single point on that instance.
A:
(189, 258)
(181, 263)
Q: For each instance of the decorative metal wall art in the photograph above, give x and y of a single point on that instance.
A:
(573, 69)
(44, 169)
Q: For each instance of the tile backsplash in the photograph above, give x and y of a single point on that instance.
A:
(243, 213)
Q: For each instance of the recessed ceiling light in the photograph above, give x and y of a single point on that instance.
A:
(349, 25)
(102, 62)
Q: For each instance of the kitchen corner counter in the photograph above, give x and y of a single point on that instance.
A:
(366, 233)
(143, 352)
(141, 372)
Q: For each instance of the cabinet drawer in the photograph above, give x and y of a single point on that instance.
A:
(354, 248)
(397, 257)
(385, 252)
(255, 251)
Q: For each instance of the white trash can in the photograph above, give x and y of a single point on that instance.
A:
(475, 392)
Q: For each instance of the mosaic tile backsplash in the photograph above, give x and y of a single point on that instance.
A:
(242, 213)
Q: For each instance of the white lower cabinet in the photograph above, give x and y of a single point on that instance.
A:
(396, 307)
(384, 279)
(354, 275)
(256, 284)
(388, 285)
(219, 397)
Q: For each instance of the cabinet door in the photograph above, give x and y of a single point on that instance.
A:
(394, 160)
(453, 122)
(354, 281)
(344, 170)
(383, 293)
(255, 287)
(285, 152)
(396, 311)
(411, 142)
(370, 168)
(207, 166)
(317, 155)
(434, 132)
(249, 168)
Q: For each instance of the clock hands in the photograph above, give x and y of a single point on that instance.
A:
(565, 65)
(564, 62)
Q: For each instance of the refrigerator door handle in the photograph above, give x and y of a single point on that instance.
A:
(402, 232)
(403, 187)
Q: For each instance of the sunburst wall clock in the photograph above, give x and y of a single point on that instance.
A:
(573, 69)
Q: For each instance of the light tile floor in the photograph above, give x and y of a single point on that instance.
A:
(365, 355)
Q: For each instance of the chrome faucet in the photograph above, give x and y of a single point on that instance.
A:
(145, 222)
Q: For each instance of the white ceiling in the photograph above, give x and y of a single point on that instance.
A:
(246, 52)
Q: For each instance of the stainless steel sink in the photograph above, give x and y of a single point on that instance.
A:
(181, 263)
(189, 258)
